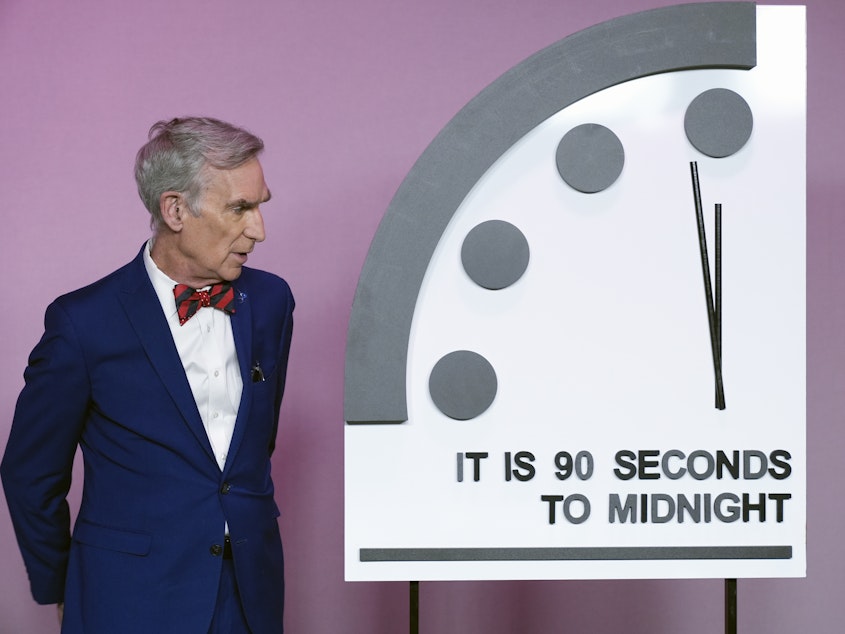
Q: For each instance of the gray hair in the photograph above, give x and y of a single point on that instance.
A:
(177, 156)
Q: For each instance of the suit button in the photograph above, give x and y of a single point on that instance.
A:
(216, 550)
(225, 488)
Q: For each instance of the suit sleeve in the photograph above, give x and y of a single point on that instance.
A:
(38, 462)
(282, 362)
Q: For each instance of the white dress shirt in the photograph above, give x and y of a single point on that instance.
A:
(207, 350)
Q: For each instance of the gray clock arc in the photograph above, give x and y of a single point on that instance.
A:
(682, 37)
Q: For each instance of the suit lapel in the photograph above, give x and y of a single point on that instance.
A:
(242, 333)
(143, 310)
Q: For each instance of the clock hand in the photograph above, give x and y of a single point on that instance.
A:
(715, 325)
(718, 303)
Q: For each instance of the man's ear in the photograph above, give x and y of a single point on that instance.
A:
(173, 209)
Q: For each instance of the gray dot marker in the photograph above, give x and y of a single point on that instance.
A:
(462, 384)
(495, 254)
(718, 122)
(590, 158)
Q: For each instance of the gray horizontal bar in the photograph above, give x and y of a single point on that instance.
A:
(576, 554)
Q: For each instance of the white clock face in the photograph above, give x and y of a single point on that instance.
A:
(561, 329)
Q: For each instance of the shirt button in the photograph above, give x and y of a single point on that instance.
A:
(225, 488)
(215, 414)
(217, 373)
(216, 550)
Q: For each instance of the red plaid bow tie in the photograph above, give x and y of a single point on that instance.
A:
(189, 300)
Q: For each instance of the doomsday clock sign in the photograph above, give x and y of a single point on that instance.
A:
(577, 348)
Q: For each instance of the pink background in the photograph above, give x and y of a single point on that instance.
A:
(346, 95)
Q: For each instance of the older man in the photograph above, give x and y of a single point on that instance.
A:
(169, 374)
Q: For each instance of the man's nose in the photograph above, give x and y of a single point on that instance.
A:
(255, 227)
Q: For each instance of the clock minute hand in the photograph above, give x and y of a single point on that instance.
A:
(713, 318)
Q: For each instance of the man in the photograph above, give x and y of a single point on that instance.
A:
(175, 408)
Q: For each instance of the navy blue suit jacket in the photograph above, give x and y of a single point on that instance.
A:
(144, 555)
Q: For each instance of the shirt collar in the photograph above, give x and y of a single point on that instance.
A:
(162, 284)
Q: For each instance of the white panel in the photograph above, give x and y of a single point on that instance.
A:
(603, 344)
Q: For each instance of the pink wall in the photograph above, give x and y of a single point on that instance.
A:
(347, 95)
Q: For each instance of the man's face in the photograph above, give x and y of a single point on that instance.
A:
(215, 244)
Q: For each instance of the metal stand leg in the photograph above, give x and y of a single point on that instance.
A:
(415, 607)
(730, 606)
